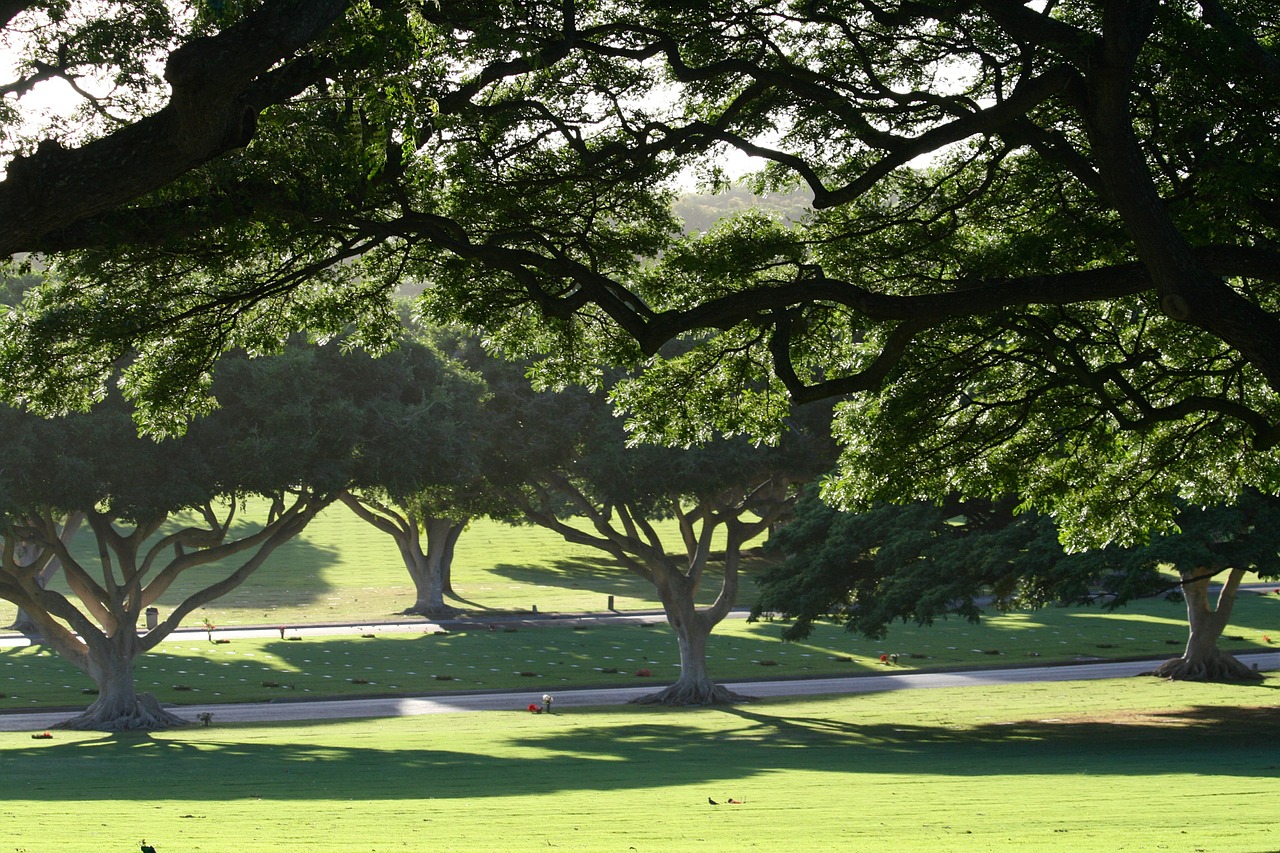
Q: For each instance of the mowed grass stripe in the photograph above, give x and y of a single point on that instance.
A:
(1088, 767)
(340, 569)
(193, 671)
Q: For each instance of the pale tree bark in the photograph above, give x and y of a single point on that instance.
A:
(31, 552)
(437, 579)
(430, 569)
(693, 627)
(1203, 660)
(109, 661)
(100, 637)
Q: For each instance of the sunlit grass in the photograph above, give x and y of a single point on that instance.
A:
(340, 569)
(190, 670)
(1097, 766)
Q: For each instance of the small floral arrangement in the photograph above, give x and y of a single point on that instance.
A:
(535, 708)
(208, 627)
(42, 736)
(644, 672)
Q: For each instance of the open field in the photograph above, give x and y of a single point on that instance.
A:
(340, 569)
(1120, 765)
(1132, 764)
(191, 670)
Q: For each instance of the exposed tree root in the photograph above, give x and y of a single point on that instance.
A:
(443, 611)
(1217, 667)
(698, 693)
(146, 715)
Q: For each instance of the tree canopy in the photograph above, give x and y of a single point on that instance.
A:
(161, 509)
(925, 561)
(1065, 214)
(721, 495)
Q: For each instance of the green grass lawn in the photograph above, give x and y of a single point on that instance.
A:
(1083, 766)
(340, 569)
(1133, 764)
(192, 670)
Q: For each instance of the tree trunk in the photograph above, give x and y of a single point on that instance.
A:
(446, 557)
(693, 629)
(429, 569)
(1203, 660)
(28, 553)
(119, 707)
(31, 551)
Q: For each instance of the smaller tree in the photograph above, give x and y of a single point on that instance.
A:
(921, 561)
(1208, 541)
(916, 562)
(418, 426)
(727, 486)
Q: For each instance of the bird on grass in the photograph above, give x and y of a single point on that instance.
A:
(709, 800)
(146, 848)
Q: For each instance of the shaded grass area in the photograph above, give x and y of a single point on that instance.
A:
(340, 569)
(193, 671)
(1097, 766)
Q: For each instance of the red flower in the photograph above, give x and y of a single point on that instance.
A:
(535, 708)
(1265, 638)
(884, 658)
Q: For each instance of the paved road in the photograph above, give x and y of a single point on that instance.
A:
(568, 699)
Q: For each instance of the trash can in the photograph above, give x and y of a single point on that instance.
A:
(153, 618)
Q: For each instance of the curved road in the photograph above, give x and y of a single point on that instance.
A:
(565, 699)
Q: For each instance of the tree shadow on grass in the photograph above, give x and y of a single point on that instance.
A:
(600, 755)
(601, 575)
(292, 576)
(606, 577)
(474, 605)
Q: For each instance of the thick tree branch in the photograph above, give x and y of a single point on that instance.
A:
(1261, 60)
(212, 110)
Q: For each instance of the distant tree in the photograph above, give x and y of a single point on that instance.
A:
(916, 562)
(701, 211)
(421, 427)
(728, 486)
(14, 287)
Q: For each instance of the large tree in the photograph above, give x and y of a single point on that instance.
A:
(136, 131)
(158, 510)
(1035, 203)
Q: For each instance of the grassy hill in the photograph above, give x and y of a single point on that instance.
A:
(341, 569)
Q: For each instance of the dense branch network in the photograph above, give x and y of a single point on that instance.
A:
(977, 170)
